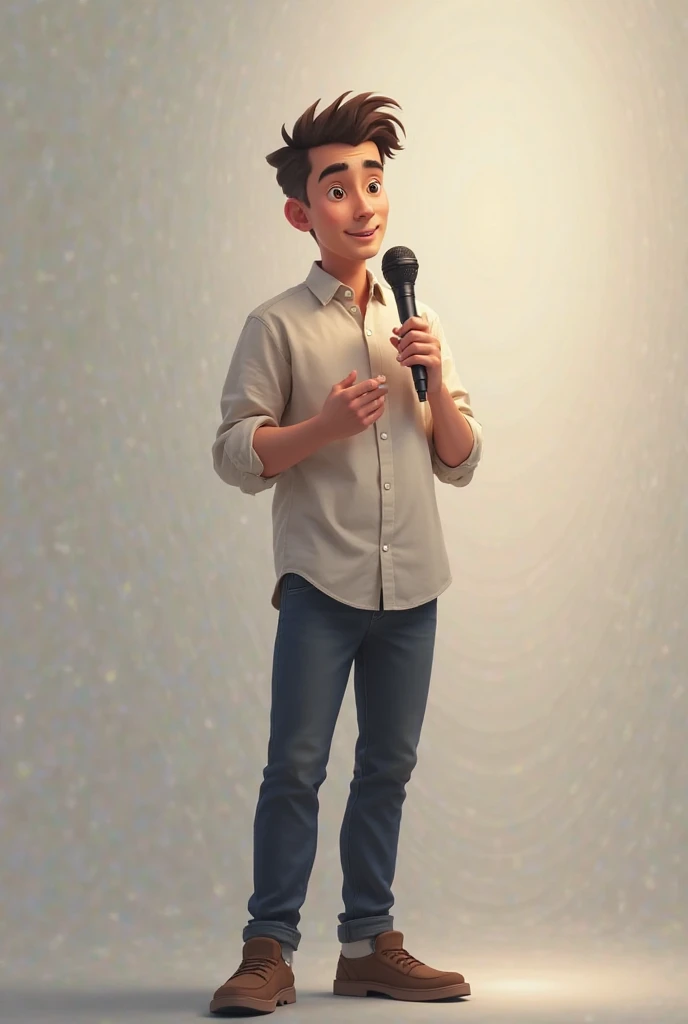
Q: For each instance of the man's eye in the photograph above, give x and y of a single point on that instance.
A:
(338, 189)
(378, 187)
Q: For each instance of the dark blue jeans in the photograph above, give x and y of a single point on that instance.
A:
(318, 639)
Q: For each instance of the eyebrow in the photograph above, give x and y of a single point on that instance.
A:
(338, 168)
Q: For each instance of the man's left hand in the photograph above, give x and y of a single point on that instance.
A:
(417, 346)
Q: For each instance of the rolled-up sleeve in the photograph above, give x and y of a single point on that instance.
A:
(255, 394)
(458, 476)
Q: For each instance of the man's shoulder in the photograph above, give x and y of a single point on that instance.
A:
(294, 301)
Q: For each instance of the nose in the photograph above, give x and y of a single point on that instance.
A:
(364, 206)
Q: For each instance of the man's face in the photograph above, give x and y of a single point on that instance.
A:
(347, 197)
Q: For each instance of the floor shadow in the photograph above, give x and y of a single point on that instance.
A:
(306, 998)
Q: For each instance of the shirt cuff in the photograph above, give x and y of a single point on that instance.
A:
(246, 460)
(462, 473)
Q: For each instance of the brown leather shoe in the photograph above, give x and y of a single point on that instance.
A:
(391, 971)
(262, 983)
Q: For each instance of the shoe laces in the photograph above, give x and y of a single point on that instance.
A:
(260, 965)
(402, 957)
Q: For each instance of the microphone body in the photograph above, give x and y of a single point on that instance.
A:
(400, 268)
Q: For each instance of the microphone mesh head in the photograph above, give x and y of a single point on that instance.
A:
(399, 266)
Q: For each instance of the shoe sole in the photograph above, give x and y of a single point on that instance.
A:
(220, 1005)
(367, 988)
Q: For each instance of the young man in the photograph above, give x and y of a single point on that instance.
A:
(320, 403)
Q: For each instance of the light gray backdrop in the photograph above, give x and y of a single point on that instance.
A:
(544, 848)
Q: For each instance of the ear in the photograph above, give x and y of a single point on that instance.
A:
(297, 215)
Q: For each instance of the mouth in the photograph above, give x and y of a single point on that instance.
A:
(361, 234)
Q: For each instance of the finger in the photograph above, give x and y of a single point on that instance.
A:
(371, 396)
(368, 394)
(414, 323)
(416, 360)
(375, 413)
(413, 344)
(369, 399)
(428, 358)
(414, 335)
(362, 386)
(420, 342)
(357, 390)
(407, 339)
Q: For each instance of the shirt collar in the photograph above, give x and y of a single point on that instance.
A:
(325, 287)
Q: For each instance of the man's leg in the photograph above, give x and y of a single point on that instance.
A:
(317, 639)
(392, 679)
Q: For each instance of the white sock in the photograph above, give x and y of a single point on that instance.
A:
(287, 955)
(355, 950)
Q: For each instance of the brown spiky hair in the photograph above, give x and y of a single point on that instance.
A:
(358, 120)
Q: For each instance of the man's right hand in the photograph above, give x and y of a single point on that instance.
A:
(351, 408)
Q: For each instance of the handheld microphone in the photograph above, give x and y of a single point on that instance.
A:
(400, 270)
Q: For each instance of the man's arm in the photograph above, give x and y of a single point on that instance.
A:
(255, 394)
(456, 442)
(451, 431)
(280, 448)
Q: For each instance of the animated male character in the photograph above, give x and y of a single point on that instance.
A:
(320, 404)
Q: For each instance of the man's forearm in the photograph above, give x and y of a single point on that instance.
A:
(280, 448)
(451, 431)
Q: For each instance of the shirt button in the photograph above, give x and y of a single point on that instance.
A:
(387, 486)
(385, 547)
(383, 435)
(369, 332)
(354, 309)
(348, 294)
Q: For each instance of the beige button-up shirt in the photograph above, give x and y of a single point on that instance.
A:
(358, 517)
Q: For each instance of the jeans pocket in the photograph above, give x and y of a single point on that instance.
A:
(295, 584)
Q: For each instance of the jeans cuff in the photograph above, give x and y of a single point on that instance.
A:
(364, 928)
(282, 933)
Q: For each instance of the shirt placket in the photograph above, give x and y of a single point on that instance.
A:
(384, 448)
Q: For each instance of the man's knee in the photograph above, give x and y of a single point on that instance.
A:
(298, 767)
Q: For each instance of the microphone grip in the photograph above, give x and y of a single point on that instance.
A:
(406, 307)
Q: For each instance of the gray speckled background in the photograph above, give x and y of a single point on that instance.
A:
(545, 841)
